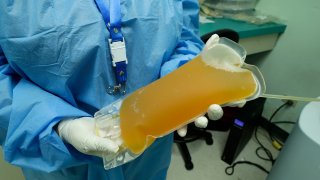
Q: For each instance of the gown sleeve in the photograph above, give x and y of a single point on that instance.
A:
(28, 112)
(190, 43)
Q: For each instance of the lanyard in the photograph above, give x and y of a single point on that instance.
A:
(112, 19)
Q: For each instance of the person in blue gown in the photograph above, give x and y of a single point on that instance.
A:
(55, 64)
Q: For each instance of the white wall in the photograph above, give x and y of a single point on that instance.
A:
(293, 66)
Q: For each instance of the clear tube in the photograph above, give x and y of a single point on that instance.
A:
(294, 98)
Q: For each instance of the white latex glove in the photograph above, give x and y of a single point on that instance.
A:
(80, 133)
(215, 112)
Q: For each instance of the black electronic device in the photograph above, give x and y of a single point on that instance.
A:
(242, 129)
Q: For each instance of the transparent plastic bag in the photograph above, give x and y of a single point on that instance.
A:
(218, 75)
(108, 126)
(249, 15)
(232, 5)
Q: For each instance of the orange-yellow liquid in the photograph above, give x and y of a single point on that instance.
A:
(176, 99)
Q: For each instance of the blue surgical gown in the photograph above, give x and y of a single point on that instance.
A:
(55, 64)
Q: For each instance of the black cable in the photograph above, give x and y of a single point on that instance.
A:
(230, 169)
(277, 110)
(265, 150)
(260, 156)
(272, 138)
(262, 147)
(284, 122)
(277, 144)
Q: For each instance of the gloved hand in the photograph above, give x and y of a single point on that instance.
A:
(80, 133)
(214, 112)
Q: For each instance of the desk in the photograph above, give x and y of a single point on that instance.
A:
(254, 38)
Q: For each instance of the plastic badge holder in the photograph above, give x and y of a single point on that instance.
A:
(217, 76)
